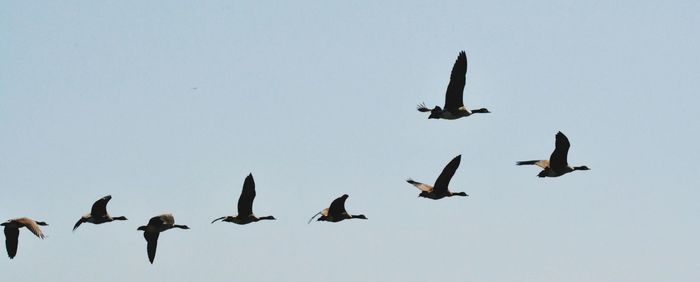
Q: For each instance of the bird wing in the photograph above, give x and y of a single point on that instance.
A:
(245, 201)
(558, 158)
(337, 208)
(31, 225)
(151, 244)
(421, 186)
(455, 90)
(99, 208)
(444, 179)
(80, 221)
(11, 236)
(161, 220)
(540, 163)
(324, 212)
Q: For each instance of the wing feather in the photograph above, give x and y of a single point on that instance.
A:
(558, 159)
(11, 241)
(151, 244)
(421, 186)
(540, 163)
(455, 89)
(99, 208)
(444, 179)
(31, 225)
(245, 201)
(337, 208)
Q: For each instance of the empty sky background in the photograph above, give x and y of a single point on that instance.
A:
(317, 99)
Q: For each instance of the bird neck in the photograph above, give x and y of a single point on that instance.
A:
(181, 226)
(481, 111)
(459, 194)
(269, 217)
(119, 218)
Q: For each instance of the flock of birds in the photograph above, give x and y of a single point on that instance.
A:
(454, 108)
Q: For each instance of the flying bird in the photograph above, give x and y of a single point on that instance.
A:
(245, 205)
(336, 212)
(12, 227)
(98, 214)
(557, 164)
(155, 226)
(454, 103)
(440, 189)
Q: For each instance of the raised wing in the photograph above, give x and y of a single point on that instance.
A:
(31, 225)
(557, 160)
(444, 179)
(11, 236)
(455, 90)
(99, 208)
(245, 201)
(421, 186)
(337, 208)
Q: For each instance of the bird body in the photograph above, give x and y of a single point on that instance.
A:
(11, 231)
(440, 189)
(336, 212)
(151, 232)
(98, 213)
(557, 165)
(245, 205)
(454, 103)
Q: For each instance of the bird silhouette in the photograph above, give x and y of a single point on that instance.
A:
(454, 102)
(440, 189)
(557, 165)
(336, 212)
(155, 226)
(245, 205)
(98, 214)
(12, 227)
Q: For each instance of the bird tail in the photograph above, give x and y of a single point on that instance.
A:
(422, 108)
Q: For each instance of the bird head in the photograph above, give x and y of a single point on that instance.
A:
(141, 228)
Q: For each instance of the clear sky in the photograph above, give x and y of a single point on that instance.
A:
(168, 105)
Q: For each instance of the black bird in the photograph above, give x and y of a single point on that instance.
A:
(12, 227)
(98, 214)
(245, 205)
(155, 226)
(557, 164)
(336, 212)
(440, 189)
(454, 104)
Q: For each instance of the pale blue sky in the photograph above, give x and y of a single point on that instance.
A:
(317, 99)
